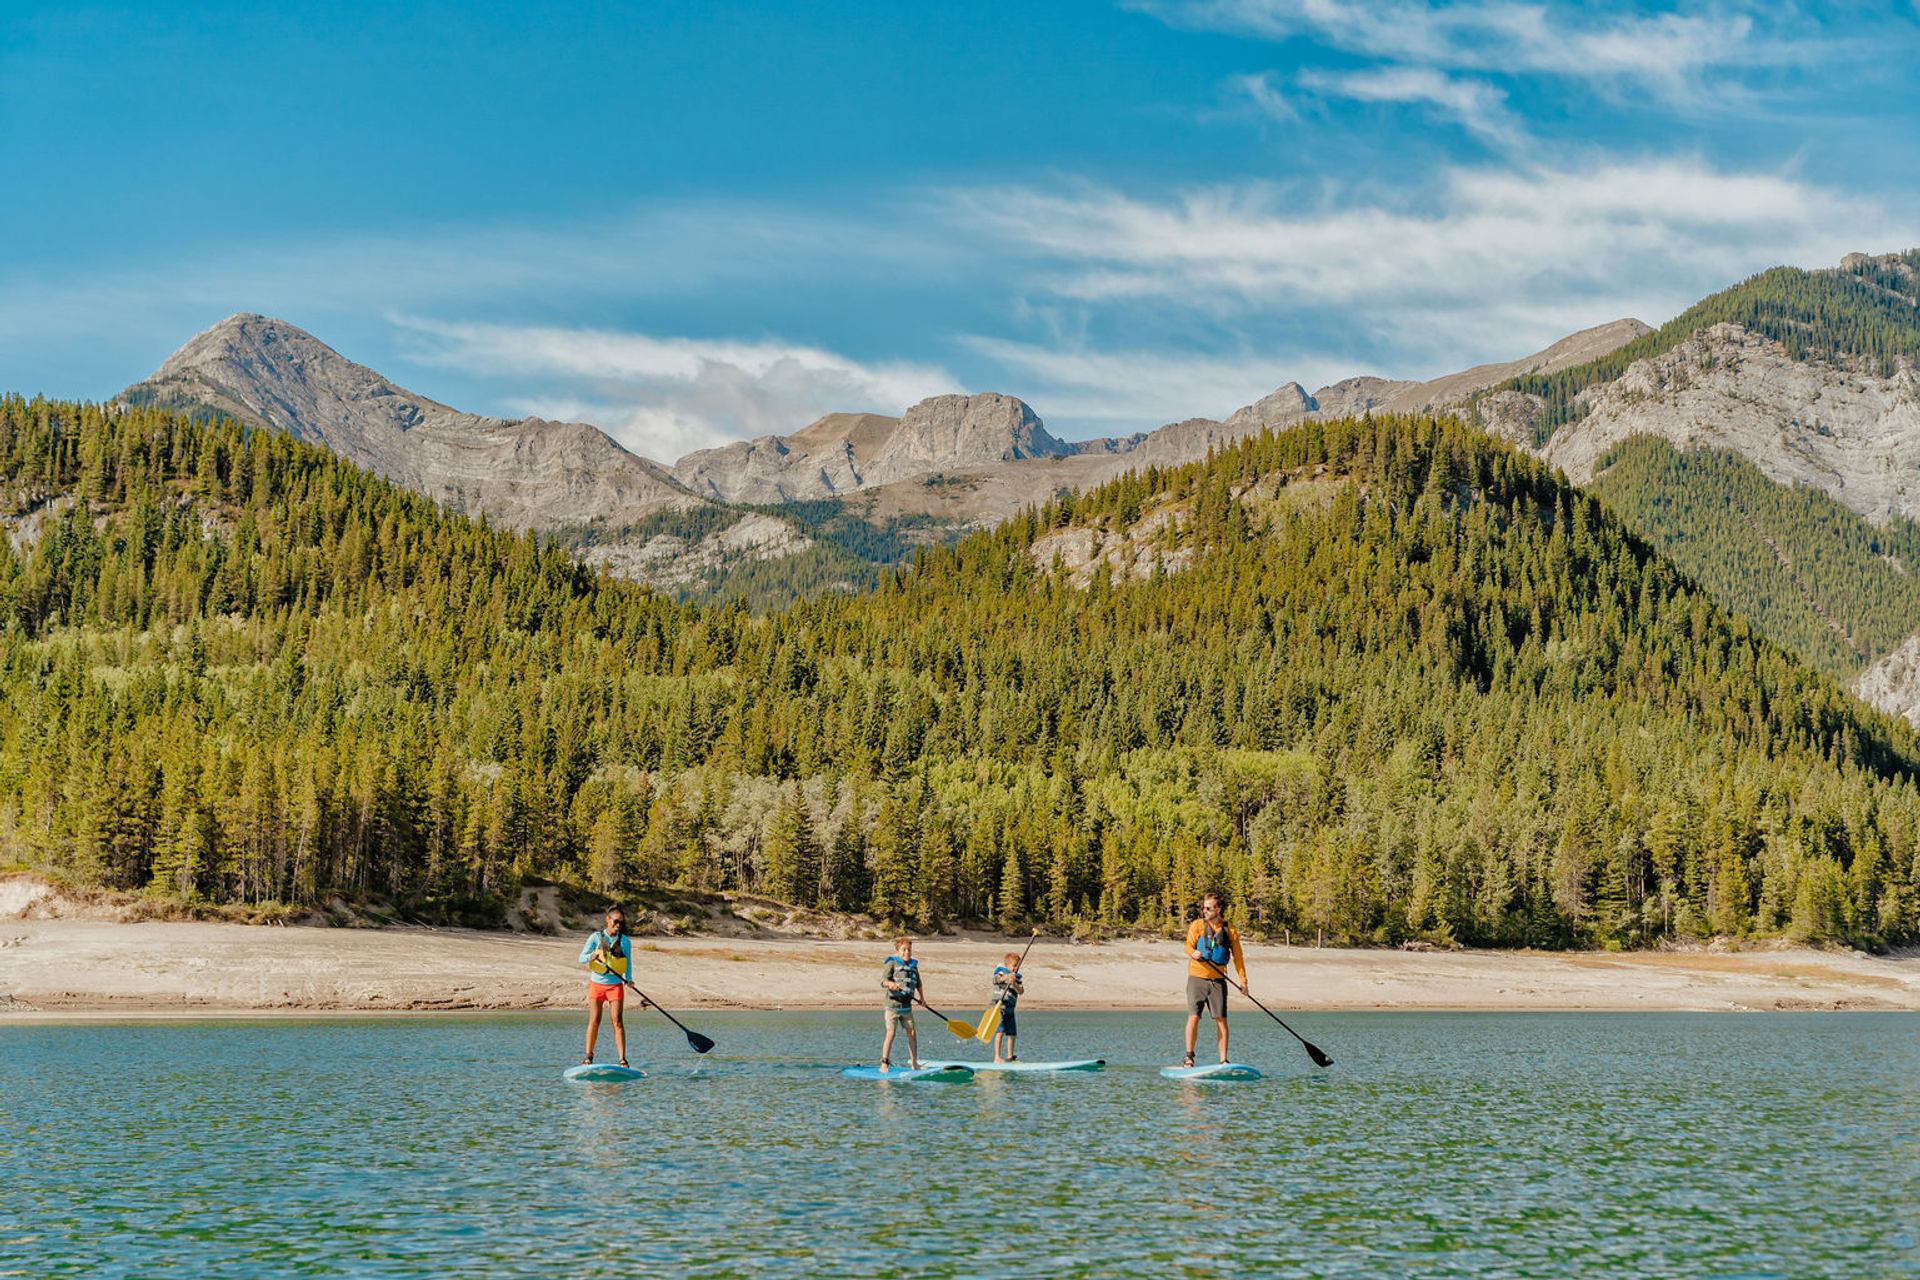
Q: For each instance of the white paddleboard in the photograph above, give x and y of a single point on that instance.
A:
(603, 1073)
(1212, 1071)
(1077, 1064)
(939, 1073)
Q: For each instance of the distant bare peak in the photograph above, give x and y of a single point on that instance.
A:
(1289, 403)
(525, 473)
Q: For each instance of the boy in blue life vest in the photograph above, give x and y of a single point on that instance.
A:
(1007, 989)
(608, 956)
(900, 979)
(1211, 943)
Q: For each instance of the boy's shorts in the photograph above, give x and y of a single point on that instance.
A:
(904, 1016)
(606, 992)
(1008, 1027)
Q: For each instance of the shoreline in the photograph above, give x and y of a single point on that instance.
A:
(83, 970)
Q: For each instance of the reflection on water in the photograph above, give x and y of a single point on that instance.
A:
(1441, 1145)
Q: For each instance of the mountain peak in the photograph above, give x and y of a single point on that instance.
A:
(527, 473)
(1288, 403)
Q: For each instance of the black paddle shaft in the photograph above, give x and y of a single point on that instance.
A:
(1314, 1051)
(699, 1043)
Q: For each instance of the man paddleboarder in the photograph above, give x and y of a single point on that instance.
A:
(1211, 943)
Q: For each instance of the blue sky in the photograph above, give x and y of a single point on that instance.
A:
(694, 222)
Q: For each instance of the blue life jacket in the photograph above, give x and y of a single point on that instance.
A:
(1214, 948)
(907, 974)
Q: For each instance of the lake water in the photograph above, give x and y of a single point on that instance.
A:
(1437, 1145)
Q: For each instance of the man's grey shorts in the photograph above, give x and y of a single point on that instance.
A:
(1207, 995)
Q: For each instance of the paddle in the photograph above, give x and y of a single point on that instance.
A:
(1314, 1051)
(990, 1020)
(964, 1030)
(698, 1042)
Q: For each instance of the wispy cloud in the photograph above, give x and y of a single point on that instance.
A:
(1663, 53)
(1477, 106)
(657, 254)
(664, 397)
(1493, 254)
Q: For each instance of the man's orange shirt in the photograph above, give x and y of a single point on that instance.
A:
(1200, 968)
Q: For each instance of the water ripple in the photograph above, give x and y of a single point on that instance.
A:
(1438, 1145)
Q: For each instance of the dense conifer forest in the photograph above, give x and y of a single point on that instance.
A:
(1380, 680)
(1868, 312)
(1809, 572)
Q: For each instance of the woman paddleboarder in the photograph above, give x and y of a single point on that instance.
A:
(608, 956)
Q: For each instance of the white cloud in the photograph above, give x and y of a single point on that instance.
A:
(663, 397)
(1476, 105)
(1662, 53)
(1265, 96)
(1495, 253)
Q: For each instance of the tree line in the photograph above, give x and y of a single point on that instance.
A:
(1385, 680)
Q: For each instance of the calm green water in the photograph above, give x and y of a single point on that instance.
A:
(1437, 1145)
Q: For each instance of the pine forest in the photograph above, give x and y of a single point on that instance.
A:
(1381, 681)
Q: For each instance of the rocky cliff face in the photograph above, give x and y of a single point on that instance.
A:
(1893, 683)
(843, 453)
(1852, 433)
(525, 474)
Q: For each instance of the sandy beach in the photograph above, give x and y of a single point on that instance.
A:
(67, 967)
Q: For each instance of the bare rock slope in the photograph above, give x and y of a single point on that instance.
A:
(844, 453)
(528, 473)
(1853, 433)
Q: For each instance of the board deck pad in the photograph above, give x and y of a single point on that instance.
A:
(942, 1073)
(1077, 1064)
(603, 1073)
(1213, 1071)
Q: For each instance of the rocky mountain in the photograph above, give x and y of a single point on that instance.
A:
(988, 494)
(1809, 379)
(526, 473)
(844, 453)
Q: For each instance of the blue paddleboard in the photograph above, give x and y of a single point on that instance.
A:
(603, 1073)
(1078, 1064)
(1213, 1071)
(941, 1073)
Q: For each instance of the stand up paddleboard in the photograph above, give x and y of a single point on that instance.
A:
(1078, 1064)
(1214, 1071)
(603, 1073)
(937, 1073)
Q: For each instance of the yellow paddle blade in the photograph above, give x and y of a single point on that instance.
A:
(964, 1030)
(989, 1024)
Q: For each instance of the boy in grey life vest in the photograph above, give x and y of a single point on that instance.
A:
(900, 979)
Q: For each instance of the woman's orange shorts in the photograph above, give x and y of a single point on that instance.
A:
(608, 992)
